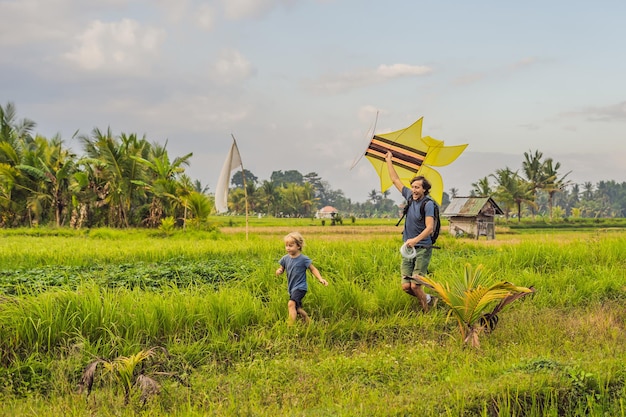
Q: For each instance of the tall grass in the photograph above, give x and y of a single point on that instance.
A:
(368, 351)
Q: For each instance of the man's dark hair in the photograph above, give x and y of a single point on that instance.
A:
(425, 183)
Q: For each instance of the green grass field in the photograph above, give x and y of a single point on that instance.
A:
(204, 316)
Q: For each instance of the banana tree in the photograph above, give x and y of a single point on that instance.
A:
(470, 299)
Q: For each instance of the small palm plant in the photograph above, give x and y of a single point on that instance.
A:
(125, 371)
(470, 298)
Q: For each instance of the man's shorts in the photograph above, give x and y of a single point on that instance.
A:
(417, 265)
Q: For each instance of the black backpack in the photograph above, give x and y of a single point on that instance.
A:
(437, 227)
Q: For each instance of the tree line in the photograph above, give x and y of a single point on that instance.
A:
(127, 181)
(120, 181)
(538, 189)
(541, 189)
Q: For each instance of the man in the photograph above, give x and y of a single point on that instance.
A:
(416, 233)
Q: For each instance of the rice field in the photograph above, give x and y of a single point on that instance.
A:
(203, 317)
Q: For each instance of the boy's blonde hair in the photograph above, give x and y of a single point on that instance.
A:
(297, 238)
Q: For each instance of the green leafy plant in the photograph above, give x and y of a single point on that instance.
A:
(470, 298)
(167, 224)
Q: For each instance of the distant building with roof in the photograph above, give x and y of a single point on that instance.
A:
(327, 212)
(474, 216)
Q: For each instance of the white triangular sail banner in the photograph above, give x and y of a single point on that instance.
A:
(232, 162)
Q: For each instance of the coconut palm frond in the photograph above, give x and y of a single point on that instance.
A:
(481, 298)
(134, 372)
(471, 296)
(512, 297)
(473, 277)
(442, 290)
(86, 381)
(489, 321)
(149, 387)
(126, 366)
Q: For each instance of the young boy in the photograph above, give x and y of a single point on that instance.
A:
(296, 264)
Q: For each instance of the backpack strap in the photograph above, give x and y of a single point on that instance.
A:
(436, 215)
(405, 210)
(423, 207)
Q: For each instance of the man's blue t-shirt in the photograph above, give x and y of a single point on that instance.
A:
(414, 224)
(296, 271)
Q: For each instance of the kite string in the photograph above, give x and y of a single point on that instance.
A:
(369, 136)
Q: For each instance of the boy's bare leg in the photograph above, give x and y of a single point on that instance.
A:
(293, 313)
(304, 315)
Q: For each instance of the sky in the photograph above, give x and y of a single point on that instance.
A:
(300, 84)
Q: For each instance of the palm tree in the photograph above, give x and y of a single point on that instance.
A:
(237, 200)
(587, 190)
(374, 197)
(574, 197)
(553, 183)
(197, 185)
(513, 190)
(608, 195)
(469, 300)
(308, 199)
(113, 163)
(184, 190)
(252, 195)
(167, 193)
(292, 198)
(83, 195)
(199, 206)
(13, 131)
(14, 138)
(534, 172)
(482, 188)
(9, 206)
(271, 196)
(50, 166)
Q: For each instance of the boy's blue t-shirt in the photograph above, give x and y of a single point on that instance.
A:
(414, 224)
(296, 271)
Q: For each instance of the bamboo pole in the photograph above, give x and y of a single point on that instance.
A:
(245, 190)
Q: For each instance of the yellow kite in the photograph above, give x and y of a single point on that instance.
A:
(412, 155)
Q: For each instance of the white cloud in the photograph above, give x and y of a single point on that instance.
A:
(610, 113)
(205, 17)
(340, 83)
(182, 115)
(29, 21)
(125, 46)
(525, 62)
(368, 113)
(468, 79)
(614, 112)
(231, 66)
(175, 11)
(402, 70)
(251, 9)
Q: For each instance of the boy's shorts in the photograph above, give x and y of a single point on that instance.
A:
(297, 296)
